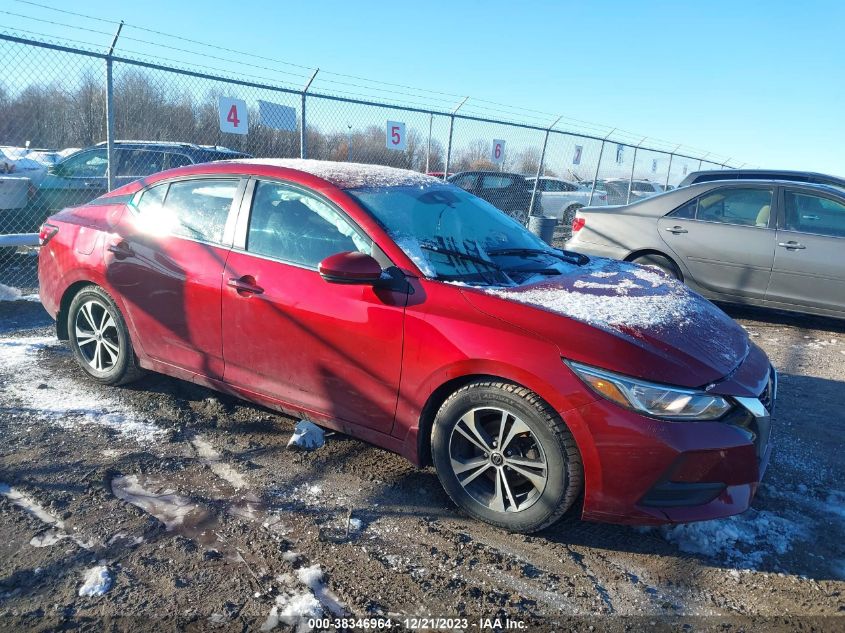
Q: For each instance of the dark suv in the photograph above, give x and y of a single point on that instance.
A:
(762, 174)
(82, 176)
(509, 192)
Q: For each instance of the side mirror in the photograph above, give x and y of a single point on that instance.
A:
(350, 268)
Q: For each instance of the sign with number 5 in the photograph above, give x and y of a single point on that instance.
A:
(497, 154)
(395, 138)
(234, 117)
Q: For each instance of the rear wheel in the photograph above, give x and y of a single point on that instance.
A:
(569, 214)
(99, 338)
(660, 262)
(505, 457)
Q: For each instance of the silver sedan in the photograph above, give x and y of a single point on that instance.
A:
(770, 243)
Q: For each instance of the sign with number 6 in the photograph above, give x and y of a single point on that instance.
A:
(497, 154)
(234, 117)
(395, 137)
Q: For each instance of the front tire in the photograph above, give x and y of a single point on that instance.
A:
(505, 457)
(100, 339)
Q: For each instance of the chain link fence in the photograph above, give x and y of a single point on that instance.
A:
(76, 123)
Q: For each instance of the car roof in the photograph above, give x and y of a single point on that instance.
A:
(344, 175)
(767, 174)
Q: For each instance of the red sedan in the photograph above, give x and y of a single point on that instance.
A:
(402, 310)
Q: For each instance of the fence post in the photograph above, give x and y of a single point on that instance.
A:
(633, 165)
(598, 166)
(531, 210)
(669, 171)
(428, 153)
(303, 150)
(449, 143)
(110, 112)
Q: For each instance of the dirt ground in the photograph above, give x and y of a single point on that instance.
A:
(196, 517)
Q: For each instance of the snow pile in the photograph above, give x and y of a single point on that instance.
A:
(62, 399)
(97, 581)
(743, 540)
(349, 175)
(307, 436)
(7, 293)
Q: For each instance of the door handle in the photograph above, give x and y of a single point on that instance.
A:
(676, 229)
(792, 245)
(121, 250)
(245, 286)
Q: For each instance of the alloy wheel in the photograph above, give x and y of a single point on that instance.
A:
(97, 336)
(498, 460)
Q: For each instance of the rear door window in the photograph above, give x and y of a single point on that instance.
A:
(199, 209)
(746, 207)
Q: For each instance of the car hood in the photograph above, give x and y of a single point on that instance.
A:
(625, 318)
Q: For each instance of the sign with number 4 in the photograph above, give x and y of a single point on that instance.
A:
(497, 154)
(396, 138)
(234, 117)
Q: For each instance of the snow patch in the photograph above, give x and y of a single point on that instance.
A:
(98, 580)
(743, 540)
(65, 402)
(26, 502)
(7, 293)
(411, 247)
(307, 436)
(167, 506)
(214, 461)
(349, 175)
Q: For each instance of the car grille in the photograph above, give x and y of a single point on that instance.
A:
(767, 398)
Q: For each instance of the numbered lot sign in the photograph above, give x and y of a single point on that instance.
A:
(234, 118)
(497, 153)
(395, 137)
(576, 158)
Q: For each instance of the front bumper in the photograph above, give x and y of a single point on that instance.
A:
(649, 472)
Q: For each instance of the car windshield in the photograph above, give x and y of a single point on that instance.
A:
(455, 236)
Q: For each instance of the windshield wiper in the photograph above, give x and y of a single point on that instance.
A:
(461, 255)
(567, 256)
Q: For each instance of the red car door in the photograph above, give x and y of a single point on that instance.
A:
(334, 349)
(166, 262)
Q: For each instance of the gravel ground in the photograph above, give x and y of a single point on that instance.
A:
(166, 506)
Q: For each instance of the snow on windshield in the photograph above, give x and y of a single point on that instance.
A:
(349, 175)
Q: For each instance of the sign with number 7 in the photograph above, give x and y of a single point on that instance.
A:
(395, 136)
(234, 117)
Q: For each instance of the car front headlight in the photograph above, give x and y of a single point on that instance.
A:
(661, 401)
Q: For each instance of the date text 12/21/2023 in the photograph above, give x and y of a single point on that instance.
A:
(416, 623)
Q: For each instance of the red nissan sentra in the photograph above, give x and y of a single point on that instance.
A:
(402, 310)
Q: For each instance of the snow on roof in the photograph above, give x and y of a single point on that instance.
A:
(349, 175)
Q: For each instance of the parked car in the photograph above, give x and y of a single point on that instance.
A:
(399, 309)
(561, 199)
(82, 176)
(617, 189)
(770, 243)
(508, 192)
(762, 174)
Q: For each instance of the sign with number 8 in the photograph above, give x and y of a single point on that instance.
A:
(395, 137)
(234, 118)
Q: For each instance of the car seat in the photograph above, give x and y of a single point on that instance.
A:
(763, 216)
